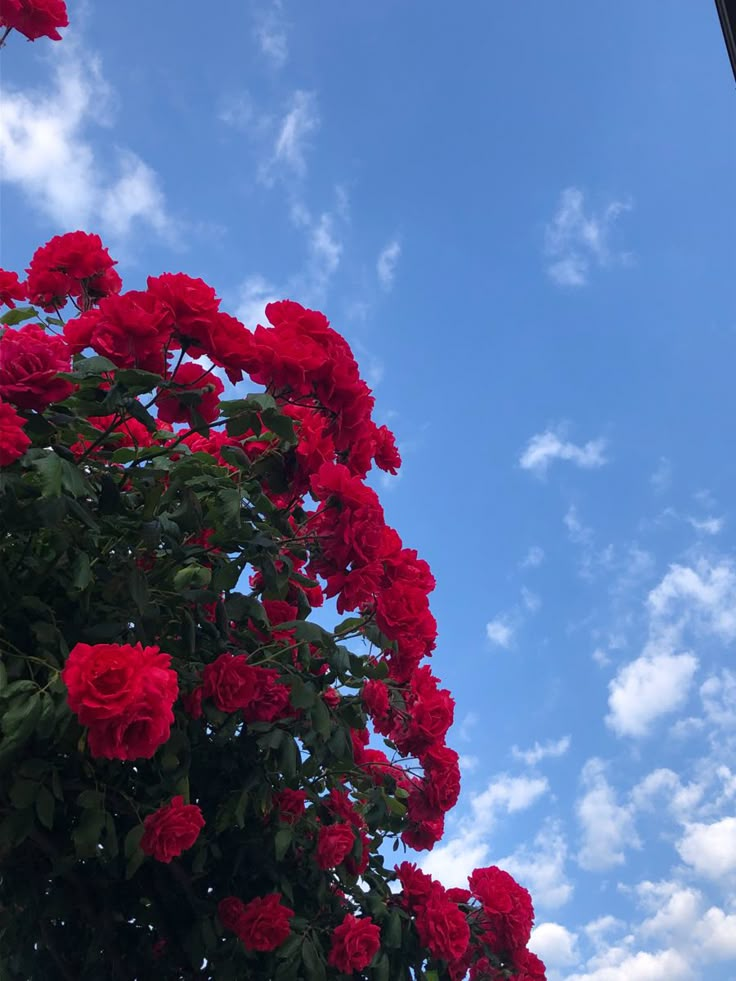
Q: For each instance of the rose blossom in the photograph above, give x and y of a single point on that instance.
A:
(30, 361)
(334, 844)
(171, 829)
(264, 923)
(13, 441)
(354, 944)
(34, 18)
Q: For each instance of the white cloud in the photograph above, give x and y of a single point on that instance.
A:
(468, 723)
(716, 934)
(704, 596)
(661, 479)
(576, 241)
(710, 849)
(299, 123)
(542, 751)
(664, 965)
(544, 448)
(653, 685)
(387, 262)
(254, 295)
(607, 827)
(499, 632)
(674, 909)
(507, 794)
(47, 150)
(578, 532)
(468, 763)
(664, 784)
(540, 868)
(554, 944)
(454, 860)
(708, 526)
(718, 695)
(270, 32)
(533, 558)
(531, 600)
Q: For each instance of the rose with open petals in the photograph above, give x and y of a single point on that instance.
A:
(354, 944)
(171, 829)
(13, 441)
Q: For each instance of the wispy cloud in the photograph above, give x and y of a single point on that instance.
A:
(456, 858)
(386, 263)
(271, 34)
(546, 448)
(542, 751)
(298, 124)
(607, 827)
(661, 478)
(499, 632)
(47, 149)
(577, 240)
(533, 558)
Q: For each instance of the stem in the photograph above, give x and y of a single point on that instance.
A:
(2, 39)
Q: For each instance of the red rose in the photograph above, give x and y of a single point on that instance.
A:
(138, 733)
(105, 680)
(230, 682)
(131, 329)
(124, 694)
(271, 700)
(508, 913)
(187, 378)
(417, 886)
(264, 923)
(230, 909)
(13, 441)
(34, 18)
(171, 829)
(334, 844)
(354, 944)
(528, 966)
(387, 456)
(75, 264)
(10, 289)
(442, 928)
(424, 835)
(442, 769)
(289, 804)
(30, 360)
(194, 310)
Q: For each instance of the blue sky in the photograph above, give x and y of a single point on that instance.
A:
(523, 221)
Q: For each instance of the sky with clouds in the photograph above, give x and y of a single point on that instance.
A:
(524, 226)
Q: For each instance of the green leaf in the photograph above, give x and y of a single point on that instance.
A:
(303, 695)
(91, 800)
(391, 934)
(314, 965)
(81, 574)
(133, 840)
(17, 316)
(87, 833)
(137, 381)
(289, 758)
(23, 793)
(320, 718)
(96, 365)
(45, 805)
(279, 424)
(49, 468)
(282, 841)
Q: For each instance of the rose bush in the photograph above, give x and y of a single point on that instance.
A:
(190, 760)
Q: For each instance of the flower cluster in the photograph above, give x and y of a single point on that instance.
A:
(34, 18)
(265, 721)
(124, 694)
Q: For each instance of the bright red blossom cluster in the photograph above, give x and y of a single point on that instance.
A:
(125, 695)
(34, 18)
